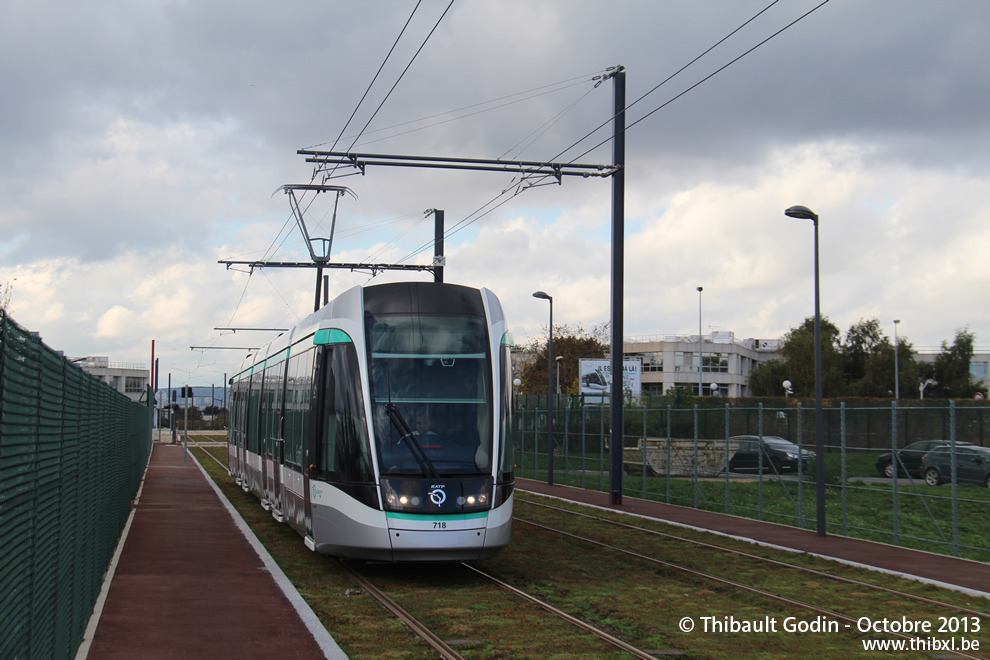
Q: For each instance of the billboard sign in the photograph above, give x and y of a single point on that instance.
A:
(596, 379)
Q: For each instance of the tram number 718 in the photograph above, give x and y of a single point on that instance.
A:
(439, 525)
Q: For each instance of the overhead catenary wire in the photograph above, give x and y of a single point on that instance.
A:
(542, 89)
(374, 79)
(399, 79)
(458, 118)
(706, 78)
(276, 244)
(467, 221)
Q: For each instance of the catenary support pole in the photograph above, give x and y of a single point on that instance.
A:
(618, 237)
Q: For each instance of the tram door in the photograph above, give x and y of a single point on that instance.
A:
(312, 453)
(273, 452)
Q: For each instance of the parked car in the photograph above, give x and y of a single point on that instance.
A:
(972, 465)
(909, 458)
(779, 455)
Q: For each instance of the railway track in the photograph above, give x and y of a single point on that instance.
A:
(771, 562)
(420, 629)
(694, 573)
(445, 650)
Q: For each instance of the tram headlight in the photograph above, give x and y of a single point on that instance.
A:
(402, 495)
(477, 495)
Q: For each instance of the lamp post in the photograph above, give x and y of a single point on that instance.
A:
(804, 213)
(701, 355)
(897, 380)
(544, 296)
(787, 388)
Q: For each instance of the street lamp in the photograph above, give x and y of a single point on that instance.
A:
(701, 354)
(787, 388)
(804, 213)
(544, 296)
(897, 380)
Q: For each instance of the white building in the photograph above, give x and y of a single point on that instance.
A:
(671, 361)
(130, 380)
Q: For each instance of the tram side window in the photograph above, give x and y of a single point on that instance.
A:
(272, 405)
(506, 449)
(253, 410)
(297, 401)
(344, 451)
(237, 395)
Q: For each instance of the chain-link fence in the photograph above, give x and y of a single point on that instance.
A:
(72, 454)
(717, 457)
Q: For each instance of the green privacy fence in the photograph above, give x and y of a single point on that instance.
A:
(72, 454)
(679, 455)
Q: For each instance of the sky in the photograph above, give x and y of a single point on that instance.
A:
(143, 143)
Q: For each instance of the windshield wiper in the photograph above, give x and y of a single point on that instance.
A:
(399, 422)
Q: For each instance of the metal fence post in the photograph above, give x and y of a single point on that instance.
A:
(601, 447)
(727, 458)
(669, 426)
(695, 496)
(759, 454)
(842, 421)
(955, 483)
(584, 445)
(567, 441)
(897, 468)
(643, 443)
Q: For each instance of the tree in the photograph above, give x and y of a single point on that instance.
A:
(767, 379)
(878, 378)
(570, 343)
(863, 339)
(798, 360)
(951, 367)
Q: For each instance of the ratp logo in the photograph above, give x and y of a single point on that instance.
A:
(437, 496)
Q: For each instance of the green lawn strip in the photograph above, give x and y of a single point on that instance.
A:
(851, 600)
(644, 603)
(488, 621)
(799, 559)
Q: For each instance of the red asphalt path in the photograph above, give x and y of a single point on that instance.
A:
(189, 584)
(965, 574)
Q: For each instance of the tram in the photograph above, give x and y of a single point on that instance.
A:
(379, 427)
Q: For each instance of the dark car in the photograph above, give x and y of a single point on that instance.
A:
(909, 458)
(779, 455)
(972, 465)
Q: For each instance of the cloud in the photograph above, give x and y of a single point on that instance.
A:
(143, 143)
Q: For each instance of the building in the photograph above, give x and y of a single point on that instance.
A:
(131, 380)
(671, 361)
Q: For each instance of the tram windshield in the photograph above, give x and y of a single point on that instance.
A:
(431, 394)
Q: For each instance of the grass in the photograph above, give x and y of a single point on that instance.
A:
(640, 602)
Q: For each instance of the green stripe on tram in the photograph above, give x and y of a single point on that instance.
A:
(331, 336)
(444, 516)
